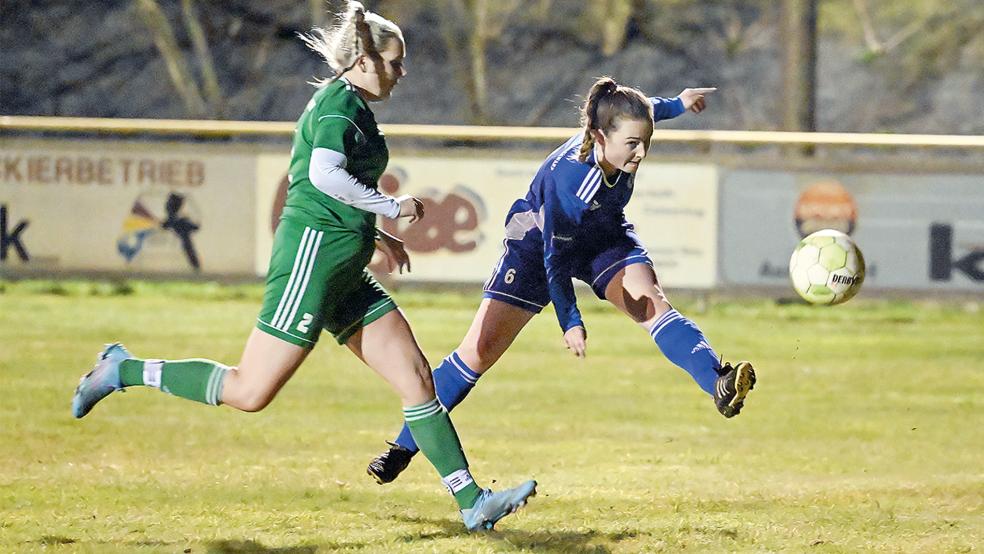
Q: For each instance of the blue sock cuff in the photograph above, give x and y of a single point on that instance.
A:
(663, 321)
(466, 372)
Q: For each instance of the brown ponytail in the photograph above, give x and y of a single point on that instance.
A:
(606, 101)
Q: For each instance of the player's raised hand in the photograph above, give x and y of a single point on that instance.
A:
(411, 207)
(394, 252)
(693, 98)
(576, 339)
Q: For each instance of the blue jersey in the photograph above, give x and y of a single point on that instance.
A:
(572, 206)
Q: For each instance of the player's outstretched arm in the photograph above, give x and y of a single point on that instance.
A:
(693, 98)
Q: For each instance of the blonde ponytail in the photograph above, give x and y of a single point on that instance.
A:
(358, 32)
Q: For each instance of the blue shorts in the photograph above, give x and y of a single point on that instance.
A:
(520, 278)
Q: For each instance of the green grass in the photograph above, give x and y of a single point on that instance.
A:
(866, 432)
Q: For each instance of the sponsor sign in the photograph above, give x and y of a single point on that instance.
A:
(128, 207)
(674, 208)
(915, 231)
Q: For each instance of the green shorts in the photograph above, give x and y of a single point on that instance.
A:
(318, 280)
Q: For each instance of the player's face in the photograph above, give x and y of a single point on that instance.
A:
(383, 73)
(625, 146)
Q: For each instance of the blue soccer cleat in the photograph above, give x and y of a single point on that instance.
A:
(102, 380)
(493, 506)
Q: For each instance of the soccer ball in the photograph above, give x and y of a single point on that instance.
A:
(827, 268)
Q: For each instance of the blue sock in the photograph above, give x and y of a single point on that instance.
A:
(452, 381)
(683, 344)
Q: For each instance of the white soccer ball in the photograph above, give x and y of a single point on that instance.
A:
(827, 268)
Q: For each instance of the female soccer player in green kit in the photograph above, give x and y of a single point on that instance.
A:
(318, 278)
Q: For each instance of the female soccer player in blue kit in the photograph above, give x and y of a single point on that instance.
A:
(571, 224)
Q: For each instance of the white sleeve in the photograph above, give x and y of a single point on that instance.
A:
(327, 173)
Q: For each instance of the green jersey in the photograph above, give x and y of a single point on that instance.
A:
(338, 119)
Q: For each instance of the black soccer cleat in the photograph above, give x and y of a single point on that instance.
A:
(386, 467)
(732, 387)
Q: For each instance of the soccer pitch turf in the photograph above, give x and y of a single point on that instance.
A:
(865, 432)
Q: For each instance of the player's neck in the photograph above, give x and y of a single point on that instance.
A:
(357, 84)
(609, 170)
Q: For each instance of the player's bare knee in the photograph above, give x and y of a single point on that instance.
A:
(416, 376)
(482, 354)
(422, 371)
(254, 401)
(418, 388)
(242, 396)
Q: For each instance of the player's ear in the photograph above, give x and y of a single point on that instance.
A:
(599, 137)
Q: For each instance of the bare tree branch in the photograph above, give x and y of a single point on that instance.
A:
(870, 36)
(210, 81)
(476, 48)
(449, 12)
(614, 15)
(902, 35)
(177, 67)
(318, 12)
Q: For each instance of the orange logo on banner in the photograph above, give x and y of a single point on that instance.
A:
(825, 205)
(450, 222)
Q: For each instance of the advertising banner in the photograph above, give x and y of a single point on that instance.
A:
(186, 209)
(915, 231)
(128, 207)
(674, 208)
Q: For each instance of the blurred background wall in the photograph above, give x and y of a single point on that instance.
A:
(906, 66)
(713, 214)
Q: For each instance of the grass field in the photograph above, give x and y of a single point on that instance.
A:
(865, 432)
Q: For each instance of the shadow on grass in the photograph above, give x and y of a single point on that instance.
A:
(539, 541)
(253, 547)
(217, 547)
(50, 540)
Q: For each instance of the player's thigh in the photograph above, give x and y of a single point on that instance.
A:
(266, 365)
(493, 330)
(388, 346)
(622, 273)
(635, 290)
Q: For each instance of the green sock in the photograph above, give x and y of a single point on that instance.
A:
(435, 435)
(197, 379)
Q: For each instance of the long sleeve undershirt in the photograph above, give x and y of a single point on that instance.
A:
(327, 173)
